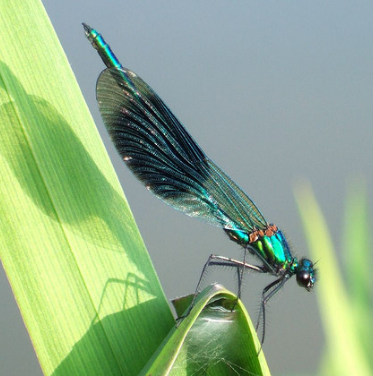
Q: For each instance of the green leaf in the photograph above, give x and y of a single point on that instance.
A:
(345, 354)
(357, 251)
(216, 338)
(77, 265)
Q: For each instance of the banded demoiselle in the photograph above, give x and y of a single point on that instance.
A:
(166, 159)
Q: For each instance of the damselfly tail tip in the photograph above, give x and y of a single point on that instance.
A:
(87, 28)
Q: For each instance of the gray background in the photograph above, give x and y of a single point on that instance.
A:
(273, 92)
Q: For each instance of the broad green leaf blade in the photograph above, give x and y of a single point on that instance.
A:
(84, 283)
(345, 352)
(211, 340)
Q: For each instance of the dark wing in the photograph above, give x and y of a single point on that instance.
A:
(165, 158)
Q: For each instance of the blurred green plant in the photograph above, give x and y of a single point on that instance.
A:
(345, 297)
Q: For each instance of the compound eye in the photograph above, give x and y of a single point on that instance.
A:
(303, 279)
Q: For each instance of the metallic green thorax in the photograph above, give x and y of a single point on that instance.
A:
(272, 249)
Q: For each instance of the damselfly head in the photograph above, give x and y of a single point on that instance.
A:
(306, 274)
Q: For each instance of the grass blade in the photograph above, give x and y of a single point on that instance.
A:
(68, 242)
(344, 349)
